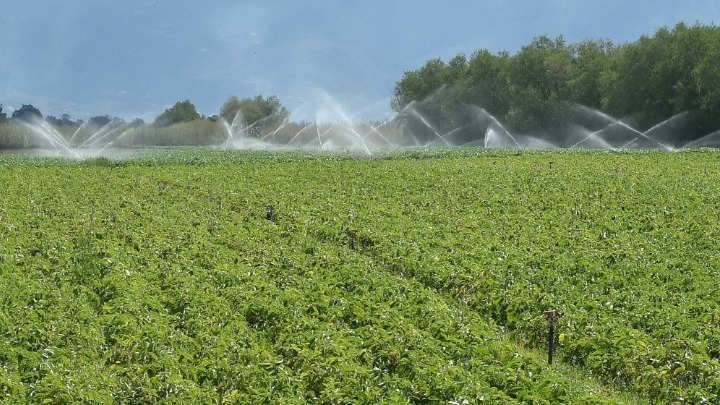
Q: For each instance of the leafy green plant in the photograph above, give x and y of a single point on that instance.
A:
(162, 280)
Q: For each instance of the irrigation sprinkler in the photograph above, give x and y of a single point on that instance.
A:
(270, 212)
(552, 317)
(352, 234)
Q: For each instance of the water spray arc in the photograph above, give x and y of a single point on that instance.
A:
(411, 127)
(85, 140)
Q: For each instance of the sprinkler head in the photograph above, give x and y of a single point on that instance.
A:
(352, 234)
(552, 315)
(270, 212)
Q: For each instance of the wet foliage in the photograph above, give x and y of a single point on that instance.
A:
(415, 277)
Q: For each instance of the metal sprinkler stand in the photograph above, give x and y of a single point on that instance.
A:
(270, 212)
(352, 234)
(552, 316)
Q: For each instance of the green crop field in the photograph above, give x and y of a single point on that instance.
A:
(414, 277)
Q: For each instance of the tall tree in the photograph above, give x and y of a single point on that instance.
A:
(3, 116)
(419, 84)
(253, 110)
(705, 76)
(26, 113)
(656, 76)
(52, 120)
(100, 120)
(644, 82)
(591, 72)
(486, 83)
(182, 111)
(539, 76)
(230, 108)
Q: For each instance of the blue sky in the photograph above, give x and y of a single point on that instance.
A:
(323, 59)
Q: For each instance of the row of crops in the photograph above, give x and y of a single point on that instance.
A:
(166, 278)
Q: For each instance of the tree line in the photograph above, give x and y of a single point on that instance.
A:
(644, 82)
(180, 124)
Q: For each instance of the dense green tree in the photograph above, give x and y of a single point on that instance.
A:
(229, 110)
(100, 120)
(539, 75)
(54, 121)
(182, 111)
(26, 112)
(645, 82)
(706, 76)
(253, 110)
(641, 88)
(657, 77)
(3, 116)
(486, 82)
(428, 99)
(419, 84)
(456, 69)
(591, 73)
(64, 124)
